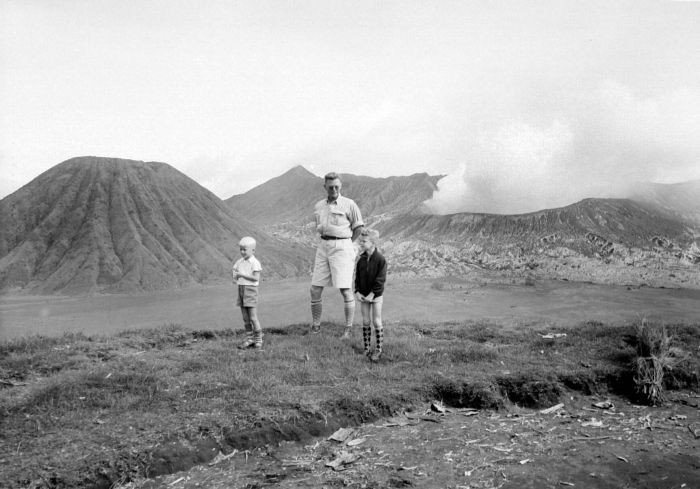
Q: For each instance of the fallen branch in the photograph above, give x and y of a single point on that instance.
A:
(11, 383)
(586, 438)
(221, 457)
(552, 409)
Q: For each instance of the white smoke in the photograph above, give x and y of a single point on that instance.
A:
(600, 146)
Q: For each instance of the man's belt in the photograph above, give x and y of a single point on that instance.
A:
(326, 238)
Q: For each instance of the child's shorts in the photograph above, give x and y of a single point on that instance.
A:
(247, 296)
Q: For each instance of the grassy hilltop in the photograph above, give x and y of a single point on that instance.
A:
(94, 411)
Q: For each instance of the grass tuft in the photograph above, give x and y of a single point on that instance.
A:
(654, 359)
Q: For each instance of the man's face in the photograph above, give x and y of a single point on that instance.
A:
(332, 188)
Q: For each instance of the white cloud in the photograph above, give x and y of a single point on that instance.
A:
(510, 94)
(601, 144)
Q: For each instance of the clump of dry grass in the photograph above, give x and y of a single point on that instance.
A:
(654, 359)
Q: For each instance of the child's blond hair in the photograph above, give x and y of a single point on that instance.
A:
(247, 241)
(371, 234)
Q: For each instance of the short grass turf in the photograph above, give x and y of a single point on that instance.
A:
(79, 411)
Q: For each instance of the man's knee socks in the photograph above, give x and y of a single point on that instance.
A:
(349, 308)
(316, 310)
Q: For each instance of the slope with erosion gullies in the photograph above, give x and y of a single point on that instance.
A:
(677, 200)
(283, 199)
(110, 225)
(384, 198)
(617, 220)
(284, 204)
(608, 240)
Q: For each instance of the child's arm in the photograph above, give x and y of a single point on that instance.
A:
(255, 276)
(379, 280)
(360, 297)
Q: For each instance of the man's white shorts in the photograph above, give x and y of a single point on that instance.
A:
(335, 264)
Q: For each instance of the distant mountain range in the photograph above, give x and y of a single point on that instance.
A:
(678, 200)
(289, 198)
(111, 225)
(651, 238)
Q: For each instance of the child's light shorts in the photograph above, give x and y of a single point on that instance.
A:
(334, 264)
(247, 296)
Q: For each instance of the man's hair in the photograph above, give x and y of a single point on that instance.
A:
(331, 176)
(372, 234)
(247, 241)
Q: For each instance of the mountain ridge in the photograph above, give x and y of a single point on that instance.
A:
(289, 198)
(94, 224)
(676, 200)
(601, 239)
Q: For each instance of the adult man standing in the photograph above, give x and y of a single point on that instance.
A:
(339, 223)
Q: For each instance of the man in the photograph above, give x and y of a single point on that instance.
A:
(339, 223)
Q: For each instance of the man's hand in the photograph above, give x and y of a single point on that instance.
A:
(369, 297)
(360, 297)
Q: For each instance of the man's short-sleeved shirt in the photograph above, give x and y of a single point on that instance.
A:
(337, 218)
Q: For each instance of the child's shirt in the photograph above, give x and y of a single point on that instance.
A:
(247, 267)
(370, 274)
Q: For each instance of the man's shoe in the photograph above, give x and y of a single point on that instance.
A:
(346, 334)
(258, 347)
(246, 344)
(315, 328)
(375, 356)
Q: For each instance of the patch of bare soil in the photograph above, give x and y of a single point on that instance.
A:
(585, 441)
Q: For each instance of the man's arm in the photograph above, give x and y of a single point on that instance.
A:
(356, 222)
(356, 232)
(317, 219)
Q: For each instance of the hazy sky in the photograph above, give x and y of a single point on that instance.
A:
(523, 104)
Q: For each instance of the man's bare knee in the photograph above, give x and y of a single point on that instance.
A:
(316, 292)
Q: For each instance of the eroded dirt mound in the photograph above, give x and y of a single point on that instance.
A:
(577, 445)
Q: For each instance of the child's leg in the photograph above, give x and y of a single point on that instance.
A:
(255, 323)
(246, 319)
(365, 307)
(378, 327)
(248, 341)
